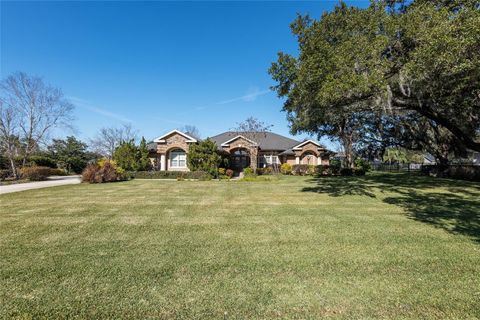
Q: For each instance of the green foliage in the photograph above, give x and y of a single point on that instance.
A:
(131, 157)
(358, 66)
(204, 156)
(143, 161)
(362, 166)
(70, 154)
(286, 168)
(395, 155)
(248, 172)
(200, 175)
(42, 161)
(127, 155)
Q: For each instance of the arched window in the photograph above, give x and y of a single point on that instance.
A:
(178, 158)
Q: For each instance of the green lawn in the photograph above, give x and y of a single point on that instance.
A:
(387, 246)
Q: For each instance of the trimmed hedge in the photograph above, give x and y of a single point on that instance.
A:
(200, 175)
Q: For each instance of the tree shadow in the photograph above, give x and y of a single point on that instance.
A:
(455, 207)
(452, 212)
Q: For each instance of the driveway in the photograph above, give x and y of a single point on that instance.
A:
(51, 182)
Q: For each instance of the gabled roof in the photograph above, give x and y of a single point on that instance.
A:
(162, 138)
(226, 143)
(299, 146)
(265, 140)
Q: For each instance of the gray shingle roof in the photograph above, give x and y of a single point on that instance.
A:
(266, 141)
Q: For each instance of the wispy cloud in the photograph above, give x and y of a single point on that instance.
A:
(251, 95)
(88, 106)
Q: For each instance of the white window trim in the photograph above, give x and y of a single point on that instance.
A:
(178, 154)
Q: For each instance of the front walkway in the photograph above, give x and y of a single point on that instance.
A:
(51, 182)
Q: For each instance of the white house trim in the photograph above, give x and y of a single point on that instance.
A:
(299, 146)
(227, 143)
(162, 138)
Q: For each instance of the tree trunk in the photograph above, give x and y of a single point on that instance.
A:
(14, 168)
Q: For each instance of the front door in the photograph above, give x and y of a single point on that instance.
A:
(240, 159)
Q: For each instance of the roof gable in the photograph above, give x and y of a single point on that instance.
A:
(300, 145)
(162, 138)
(226, 143)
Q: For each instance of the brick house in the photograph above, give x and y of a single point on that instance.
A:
(170, 151)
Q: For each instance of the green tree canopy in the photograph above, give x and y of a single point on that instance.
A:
(204, 156)
(389, 59)
(126, 155)
(70, 154)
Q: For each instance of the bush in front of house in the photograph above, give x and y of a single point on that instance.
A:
(103, 171)
(248, 172)
(229, 173)
(346, 172)
(300, 169)
(286, 168)
(179, 175)
(38, 173)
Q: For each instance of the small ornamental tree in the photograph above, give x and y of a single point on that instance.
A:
(204, 156)
(125, 155)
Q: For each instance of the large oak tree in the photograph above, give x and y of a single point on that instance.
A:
(390, 59)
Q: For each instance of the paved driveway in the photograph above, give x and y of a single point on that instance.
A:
(51, 182)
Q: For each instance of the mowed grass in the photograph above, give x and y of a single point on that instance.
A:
(383, 246)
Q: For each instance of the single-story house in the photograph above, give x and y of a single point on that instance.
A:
(170, 151)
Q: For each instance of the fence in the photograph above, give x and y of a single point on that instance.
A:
(396, 167)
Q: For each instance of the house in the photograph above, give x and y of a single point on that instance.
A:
(170, 151)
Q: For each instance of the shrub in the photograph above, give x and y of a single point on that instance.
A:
(359, 171)
(4, 174)
(346, 171)
(286, 168)
(37, 173)
(312, 169)
(363, 165)
(42, 161)
(179, 175)
(462, 172)
(265, 171)
(300, 169)
(229, 173)
(104, 171)
(221, 171)
(248, 172)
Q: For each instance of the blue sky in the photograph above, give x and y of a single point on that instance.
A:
(157, 65)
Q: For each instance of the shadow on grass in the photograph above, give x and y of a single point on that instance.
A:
(456, 208)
